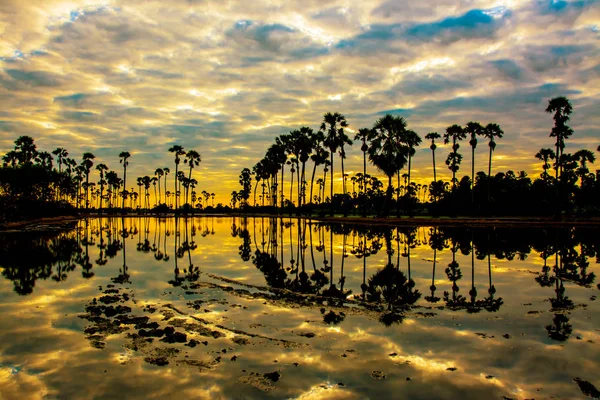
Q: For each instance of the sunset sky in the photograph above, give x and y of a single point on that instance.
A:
(226, 77)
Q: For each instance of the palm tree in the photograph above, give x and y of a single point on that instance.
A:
(333, 129)
(432, 136)
(62, 154)
(491, 131)
(166, 172)
(101, 168)
(363, 135)
(192, 159)
(545, 155)
(159, 173)
(562, 109)
(454, 133)
(124, 155)
(386, 151)
(474, 129)
(412, 140)
(178, 150)
(583, 157)
(87, 165)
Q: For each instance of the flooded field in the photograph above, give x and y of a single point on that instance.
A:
(235, 308)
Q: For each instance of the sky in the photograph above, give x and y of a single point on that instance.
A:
(226, 77)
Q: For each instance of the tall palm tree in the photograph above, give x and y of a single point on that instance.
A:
(363, 135)
(123, 156)
(432, 136)
(318, 157)
(386, 152)
(159, 173)
(192, 159)
(491, 132)
(87, 165)
(166, 172)
(562, 109)
(101, 168)
(454, 133)
(61, 154)
(412, 140)
(178, 150)
(333, 129)
(474, 129)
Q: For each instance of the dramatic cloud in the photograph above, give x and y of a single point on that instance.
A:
(225, 78)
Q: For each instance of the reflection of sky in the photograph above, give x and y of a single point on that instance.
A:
(45, 352)
(226, 78)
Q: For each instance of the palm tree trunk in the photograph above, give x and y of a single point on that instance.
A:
(343, 178)
(303, 183)
(472, 175)
(312, 182)
(331, 183)
(489, 174)
(158, 191)
(433, 156)
(255, 186)
(124, 183)
(175, 184)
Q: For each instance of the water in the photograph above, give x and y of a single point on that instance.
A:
(251, 308)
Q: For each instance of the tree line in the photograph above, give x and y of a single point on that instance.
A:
(39, 183)
(389, 145)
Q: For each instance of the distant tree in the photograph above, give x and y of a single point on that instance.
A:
(432, 136)
(102, 169)
(87, 165)
(491, 132)
(159, 174)
(192, 159)
(178, 151)
(583, 157)
(454, 134)
(562, 109)
(246, 182)
(386, 151)
(473, 129)
(123, 157)
(333, 128)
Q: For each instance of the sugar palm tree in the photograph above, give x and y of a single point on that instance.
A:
(192, 159)
(545, 155)
(454, 134)
(61, 155)
(491, 132)
(333, 129)
(583, 157)
(386, 152)
(166, 171)
(474, 129)
(87, 165)
(159, 173)
(562, 109)
(412, 140)
(101, 168)
(363, 135)
(123, 156)
(432, 136)
(178, 151)
(319, 157)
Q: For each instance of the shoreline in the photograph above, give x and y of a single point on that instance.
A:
(64, 222)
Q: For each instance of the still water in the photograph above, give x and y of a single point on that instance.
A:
(249, 308)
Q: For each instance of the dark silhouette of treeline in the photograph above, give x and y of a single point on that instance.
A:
(37, 183)
(299, 264)
(390, 146)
